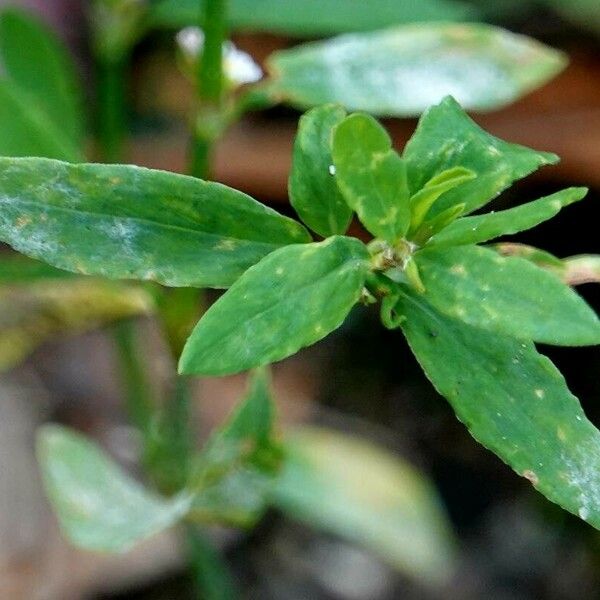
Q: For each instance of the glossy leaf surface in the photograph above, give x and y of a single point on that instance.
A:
(510, 296)
(99, 507)
(34, 312)
(402, 71)
(446, 137)
(292, 298)
(367, 495)
(129, 222)
(291, 17)
(35, 60)
(371, 176)
(481, 228)
(313, 190)
(513, 401)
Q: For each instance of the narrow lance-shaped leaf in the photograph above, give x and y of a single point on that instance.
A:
(236, 471)
(404, 70)
(371, 176)
(481, 228)
(291, 17)
(583, 13)
(15, 268)
(129, 222)
(431, 226)
(510, 296)
(292, 298)
(359, 491)
(312, 186)
(33, 313)
(538, 257)
(437, 186)
(98, 506)
(254, 418)
(514, 401)
(27, 131)
(446, 137)
(36, 61)
(573, 270)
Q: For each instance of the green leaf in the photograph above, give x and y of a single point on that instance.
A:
(371, 176)
(402, 71)
(446, 137)
(212, 574)
(574, 270)
(46, 307)
(437, 186)
(27, 131)
(510, 296)
(584, 13)
(35, 60)
(98, 506)
(481, 228)
(513, 401)
(541, 258)
(361, 492)
(290, 17)
(431, 226)
(312, 186)
(15, 268)
(254, 418)
(237, 469)
(128, 222)
(292, 298)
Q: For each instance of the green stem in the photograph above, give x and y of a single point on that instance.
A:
(181, 430)
(210, 66)
(208, 123)
(137, 389)
(112, 121)
(212, 578)
(201, 157)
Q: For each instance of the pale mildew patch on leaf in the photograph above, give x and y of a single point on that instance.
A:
(582, 474)
(226, 244)
(459, 269)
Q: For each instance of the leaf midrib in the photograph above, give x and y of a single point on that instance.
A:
(295, 292)
(143, 221)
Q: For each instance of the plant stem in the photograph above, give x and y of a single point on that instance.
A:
(210, 66)
(133, 375)
(181, 438)
(209, 87)
(112, 123)
(212, 578)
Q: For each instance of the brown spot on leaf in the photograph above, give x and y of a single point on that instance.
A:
(531, 476)
(22, 221)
